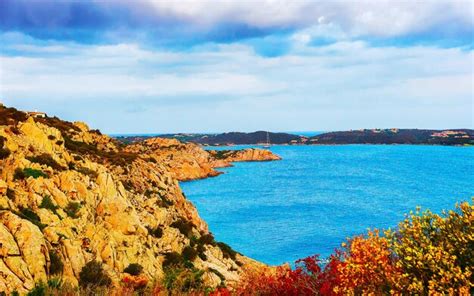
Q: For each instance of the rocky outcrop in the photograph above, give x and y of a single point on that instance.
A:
(71, 194)
(188, 161)
(224, 157)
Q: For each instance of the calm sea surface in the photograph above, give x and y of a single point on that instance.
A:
(314, 198)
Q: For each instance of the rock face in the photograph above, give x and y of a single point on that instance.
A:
(68, 193)
(188, 161)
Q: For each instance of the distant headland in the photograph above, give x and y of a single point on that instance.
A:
(459, 137)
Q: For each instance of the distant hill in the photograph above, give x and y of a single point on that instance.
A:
(246, 138)
(232, 138)
(397, 136)
(365, 136)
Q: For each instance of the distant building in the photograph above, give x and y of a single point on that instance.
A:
(36, 114)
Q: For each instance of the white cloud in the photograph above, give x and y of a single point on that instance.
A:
(374, 17)
(214, 85)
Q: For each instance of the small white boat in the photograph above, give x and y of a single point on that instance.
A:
(267, 144)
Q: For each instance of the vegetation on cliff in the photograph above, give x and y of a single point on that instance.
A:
(427, 254)
(77, 209)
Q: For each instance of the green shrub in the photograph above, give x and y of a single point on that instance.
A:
(155, 232)
(47, 203)
(189, 253)
(32, 217)
(227, 251)
(164, 202)
(46, 159)
(88, 172)
(55, 283)
(25, 173)
(92, 274)
(72, 209)
(184, 226)
(11, 116)
(182, 281)
(217, 272)
(172, 259)
(38, 290)
(11, 194)
(207, 239)
(200, 250)
(4, 153)
(134, 269)
(56, 264)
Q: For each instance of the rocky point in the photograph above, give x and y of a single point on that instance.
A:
(70, 195)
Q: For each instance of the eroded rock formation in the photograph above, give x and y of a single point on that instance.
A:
(71, 194)
(188, 161)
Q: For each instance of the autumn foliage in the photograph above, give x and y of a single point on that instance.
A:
(427, 254)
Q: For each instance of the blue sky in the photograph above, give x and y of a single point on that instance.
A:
(211, 66)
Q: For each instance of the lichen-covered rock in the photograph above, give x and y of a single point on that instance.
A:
(188, 161)
(87, 198)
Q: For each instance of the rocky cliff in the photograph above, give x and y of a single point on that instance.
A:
(188, 161)
(70, 195)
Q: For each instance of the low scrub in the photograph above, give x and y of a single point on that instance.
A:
(155, 232)
(72, 209)
(46, 159)
(184, 226)
(4, 152)
(31, 216)
(93, 274)
(21, 174)
(47, 203)
(56, 265)
(134, 269)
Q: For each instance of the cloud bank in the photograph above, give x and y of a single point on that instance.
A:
(211, 66)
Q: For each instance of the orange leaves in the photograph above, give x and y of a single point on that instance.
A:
(368, 265)
(427, 254)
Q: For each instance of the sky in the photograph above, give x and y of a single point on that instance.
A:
(217, 66)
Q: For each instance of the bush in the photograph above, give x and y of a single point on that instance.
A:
(32, 217)
(428, 254)
(88, 172)
(155, 232)
(11, 194)
(172, 259)
(4, 153)
(207, 239)
(189, 253)
(56, 264)
(40, 289)
(184, 226)
(181, 281)
(72, 209)
(46, 159)
(134, 269)
(25, 173)
(92, 274)
(227, 251)
(47, 203)
(11, 116)
(2, 141)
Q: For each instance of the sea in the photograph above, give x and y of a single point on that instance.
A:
(318, 196)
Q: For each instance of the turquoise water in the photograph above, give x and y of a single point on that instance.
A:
(314, 198)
